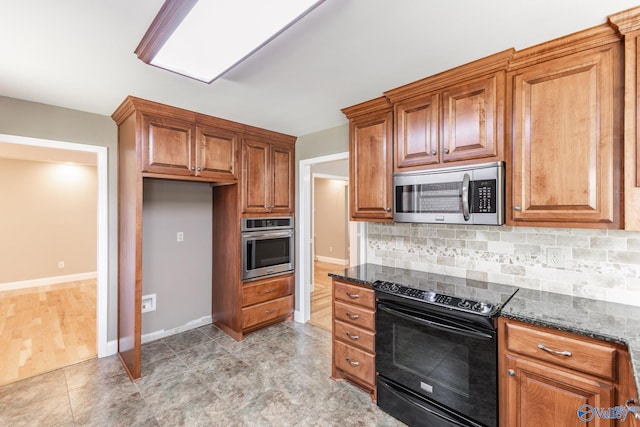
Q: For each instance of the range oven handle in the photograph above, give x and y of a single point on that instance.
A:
(467, 331)
(424, 408)
(465, 196)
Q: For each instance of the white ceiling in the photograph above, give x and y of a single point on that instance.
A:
(79, 54)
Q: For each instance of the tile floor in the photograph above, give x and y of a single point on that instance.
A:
(278, 376)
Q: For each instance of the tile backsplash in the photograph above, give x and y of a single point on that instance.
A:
(601, 264)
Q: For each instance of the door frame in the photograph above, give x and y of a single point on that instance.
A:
(102, 282)
(304, 238)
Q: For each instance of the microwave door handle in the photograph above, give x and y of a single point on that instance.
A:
(465, 196)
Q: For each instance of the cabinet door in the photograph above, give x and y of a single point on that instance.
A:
(472, 119)
(255, 176)
(281, 192)
(371, 167)
(167, 146)
(417, 127)
(539, 395)
(216, 153)
(566, 133)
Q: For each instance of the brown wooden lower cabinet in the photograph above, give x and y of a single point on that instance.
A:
(354, 335)
(555, 378)
(266, 301)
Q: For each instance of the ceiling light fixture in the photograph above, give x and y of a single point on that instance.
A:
(203, 39)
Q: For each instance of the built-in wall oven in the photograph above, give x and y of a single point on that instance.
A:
(267, 247)
(436, 357)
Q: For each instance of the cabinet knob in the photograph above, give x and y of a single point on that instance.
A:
(387, 209)
(199, 169)
(517, 208)
(446, 151)
(193, 168)
(511, 373)
(433, 152)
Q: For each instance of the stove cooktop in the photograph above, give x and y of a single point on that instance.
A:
(429, 296)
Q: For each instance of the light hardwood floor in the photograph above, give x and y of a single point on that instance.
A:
(46, 328)
(321, 312)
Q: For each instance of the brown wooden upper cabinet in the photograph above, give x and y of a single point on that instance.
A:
(566, 136)
(462, 122)
(455, 116)
(172, 146)
(370, 160)
(268, 177)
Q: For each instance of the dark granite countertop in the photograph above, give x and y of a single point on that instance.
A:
(607, 321)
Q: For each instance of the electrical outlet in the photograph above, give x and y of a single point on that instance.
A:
(60, 264)
(148, 303)
(555, 258)
(180, 236)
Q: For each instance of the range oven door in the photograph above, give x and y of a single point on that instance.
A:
(266, 253)
(434, 361)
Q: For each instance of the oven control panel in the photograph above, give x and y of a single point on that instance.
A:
(433, 297)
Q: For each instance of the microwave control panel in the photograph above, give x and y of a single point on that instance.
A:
(483, 196)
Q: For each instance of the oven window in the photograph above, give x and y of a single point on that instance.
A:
(267, 252)
(442, 363)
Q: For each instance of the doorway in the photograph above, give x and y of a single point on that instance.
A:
(80, 291)
(325, 166)
(330, 230)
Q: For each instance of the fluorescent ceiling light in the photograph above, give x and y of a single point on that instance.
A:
(203, 39)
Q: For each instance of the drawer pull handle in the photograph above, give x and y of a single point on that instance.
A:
(273, 310)
(352, 362)
(353, 337)
(352, 296)
(352, 316)
(632, 407)
(511, 373)
(561, 353)
(268, 291)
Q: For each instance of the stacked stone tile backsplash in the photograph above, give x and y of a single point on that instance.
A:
(601, 264)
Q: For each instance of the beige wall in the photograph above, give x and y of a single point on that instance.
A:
(49, 214)
(330, 220)
(30, 119)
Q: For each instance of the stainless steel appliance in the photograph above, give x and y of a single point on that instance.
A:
(472, 194)
(436, 356)
(267, 247)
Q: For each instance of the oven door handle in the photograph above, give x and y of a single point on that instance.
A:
(391, 389)
(267, 234)
(467, 331)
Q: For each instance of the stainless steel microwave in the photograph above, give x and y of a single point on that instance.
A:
(471, 194)
(267, 247)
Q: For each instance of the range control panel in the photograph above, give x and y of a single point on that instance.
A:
(432, 297)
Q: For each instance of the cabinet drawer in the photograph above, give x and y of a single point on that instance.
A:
(253, 293)
(265, 311)
(579, 354)
(354, 294)
(355, 362)
(355, 336)
(358, 316)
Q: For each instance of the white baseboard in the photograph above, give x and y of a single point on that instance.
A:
(205, 320)
(332, 260)
(112, 348)
(45, 281)
(298, 317)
